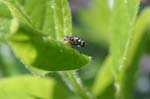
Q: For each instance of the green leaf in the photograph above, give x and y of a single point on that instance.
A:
(141, 26)
(29, 87)
(122, 31)
(36, 49)
(132, 10)
(137, 48)
(127, 75)
(62, 19)
(102, 81)
(52, 17)
(5, 13)
(123, 20)
(16, 12)
(4, 24)
(9, 65)
(45, 53)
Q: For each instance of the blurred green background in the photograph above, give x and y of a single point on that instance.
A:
(90, 21)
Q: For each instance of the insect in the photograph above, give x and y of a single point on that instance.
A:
(72, 40)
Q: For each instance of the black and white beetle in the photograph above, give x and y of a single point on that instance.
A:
(72, 40)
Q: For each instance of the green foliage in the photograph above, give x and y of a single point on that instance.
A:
(34, 31)
(102, 81)
(126, 34)
(45, 53)
(136, 49)
(29, 87)
(120, 47)
(127, 74)
(38, 47)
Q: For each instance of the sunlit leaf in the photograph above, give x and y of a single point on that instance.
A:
(29, 87)
(52, 17)
(122, 31)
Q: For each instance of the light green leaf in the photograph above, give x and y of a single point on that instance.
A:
(132, 10)
(134, 53)
(52, 17)
(141, 26)
(29, 87)
(61, 17)
(122, 31)
(5, 13)
(4, 24)
(16, 12)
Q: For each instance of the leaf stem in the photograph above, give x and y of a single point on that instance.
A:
(75, 85)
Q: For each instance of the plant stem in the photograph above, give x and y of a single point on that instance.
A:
(71, 79)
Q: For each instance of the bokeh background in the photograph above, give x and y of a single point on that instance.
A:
(99, 48)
